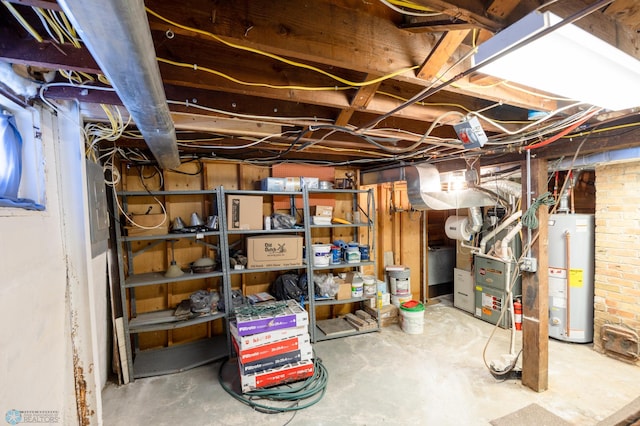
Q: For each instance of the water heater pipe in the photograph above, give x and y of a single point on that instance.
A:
(504, 224)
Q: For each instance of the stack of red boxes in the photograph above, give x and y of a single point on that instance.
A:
(273, 348)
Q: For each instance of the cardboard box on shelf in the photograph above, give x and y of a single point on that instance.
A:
(344, 289)
(388, 313)
(268, 251)
(244, 212)
(273, 184)
(324, 211)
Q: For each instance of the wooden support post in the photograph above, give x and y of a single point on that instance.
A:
(535, 291)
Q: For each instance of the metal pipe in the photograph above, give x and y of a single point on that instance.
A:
(567, 236)
(529, 234)
(117, 34)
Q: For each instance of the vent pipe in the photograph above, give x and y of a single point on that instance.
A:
(117, 34)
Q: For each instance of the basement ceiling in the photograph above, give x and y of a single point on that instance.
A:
(327, 81)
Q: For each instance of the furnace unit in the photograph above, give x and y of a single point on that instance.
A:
(571, 270)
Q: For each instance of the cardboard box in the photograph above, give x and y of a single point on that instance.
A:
(305, 353)
(244, 212)
(386, 312)
(268, 251)
(292, 316)
(344, 289)
(326, 211)
(271, 349)
(273, 184)
(259, 339)
(288, 373)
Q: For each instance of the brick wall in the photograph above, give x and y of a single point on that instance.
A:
(617, 263)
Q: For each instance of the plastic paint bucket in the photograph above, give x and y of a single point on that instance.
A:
(399, 281)
(352, 255)
(336, 255)
(321, 254)
(357, 288)
(364, 252)
(412, 317)
(399, 300)
(370, 287)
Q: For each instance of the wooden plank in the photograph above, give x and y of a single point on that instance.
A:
(410, 238)
(535, 291)
(360, 101)
(441, 53)
(217, 173)
(46, 55)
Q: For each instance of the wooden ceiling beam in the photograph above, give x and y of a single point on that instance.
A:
(47, 54)
(320, 33)
(45, 4)
(444, 49)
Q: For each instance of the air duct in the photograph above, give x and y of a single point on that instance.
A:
(117, 34)
(425, 191)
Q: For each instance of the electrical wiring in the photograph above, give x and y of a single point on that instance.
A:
(266, 118)
(23, 21)
(562, 133)
(196, 67)
(391, 4)
(527, 127)
(280, 58)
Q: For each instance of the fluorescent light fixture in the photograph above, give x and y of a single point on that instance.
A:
(568, 62)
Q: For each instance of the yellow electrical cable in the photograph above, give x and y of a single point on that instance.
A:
(73, 36)
(411, 5)
(196, 67)
(23, 21)
(280, 58)
(604, 129)
(50, 23)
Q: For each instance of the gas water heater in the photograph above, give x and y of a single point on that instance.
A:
(571, 271)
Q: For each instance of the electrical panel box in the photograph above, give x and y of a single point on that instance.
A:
(470, 133)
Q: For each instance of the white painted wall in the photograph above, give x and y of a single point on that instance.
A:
(53, 312)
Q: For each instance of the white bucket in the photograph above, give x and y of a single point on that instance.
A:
(399, 300)
(370, 287)
(357, 288)
(412, 317)
(399, 281)
(321, 254)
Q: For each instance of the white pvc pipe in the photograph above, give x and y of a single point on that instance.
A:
(507, 239)
(504, 224)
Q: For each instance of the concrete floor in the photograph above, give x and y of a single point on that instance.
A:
(436, 378)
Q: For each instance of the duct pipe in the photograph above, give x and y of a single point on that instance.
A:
(117, 34)
(503, 186)
(476, 219)
(504, 246)
(504, 224)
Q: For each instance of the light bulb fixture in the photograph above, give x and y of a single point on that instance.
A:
(174, 270)
(568, 61)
